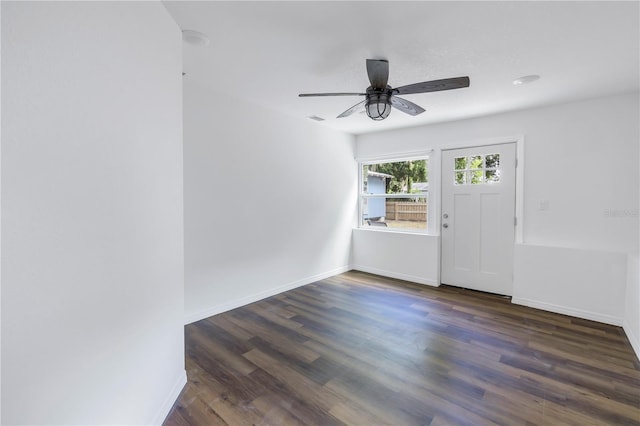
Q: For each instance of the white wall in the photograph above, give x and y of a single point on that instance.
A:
(580, 157)
(583, 283)
(270, 202)
(631, 320)
(92, 237)
(0, 218)
(402, 256)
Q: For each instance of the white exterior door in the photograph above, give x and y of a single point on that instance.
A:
(478, 217)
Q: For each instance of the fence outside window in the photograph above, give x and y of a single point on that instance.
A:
(406, 210)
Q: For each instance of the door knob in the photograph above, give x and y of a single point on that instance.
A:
(444, 225)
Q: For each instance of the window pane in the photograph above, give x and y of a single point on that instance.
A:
(461, 163)
(460, 178)
(492, 176)
(492, 161)
(395, 213)
(475, 162)
(476, 177)
(398, 177)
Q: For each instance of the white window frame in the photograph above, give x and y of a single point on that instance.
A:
(392, 159)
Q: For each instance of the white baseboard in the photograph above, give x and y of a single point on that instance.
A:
(633, 338)
(171, 398)
(233, 304)
(396, 275)
(565, 310)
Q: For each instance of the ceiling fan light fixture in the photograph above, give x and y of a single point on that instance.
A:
(378, 106)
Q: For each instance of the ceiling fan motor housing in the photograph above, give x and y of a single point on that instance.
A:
(378, 104)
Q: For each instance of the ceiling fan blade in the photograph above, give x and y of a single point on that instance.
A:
(352, 109)
(378, 72)
(433, 86)
(406, 106)
(304, 95)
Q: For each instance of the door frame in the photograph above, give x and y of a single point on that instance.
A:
(435, 172)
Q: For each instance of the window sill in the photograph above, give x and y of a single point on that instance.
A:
(396, 231)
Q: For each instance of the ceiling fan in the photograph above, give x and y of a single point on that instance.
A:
(380, 97)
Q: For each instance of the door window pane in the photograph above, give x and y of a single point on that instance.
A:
(476, 177)
(492, 176)
(476, 169)
(475, 162)
(492, 161)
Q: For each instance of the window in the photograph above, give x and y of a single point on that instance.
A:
(477, 169)
(395, 194)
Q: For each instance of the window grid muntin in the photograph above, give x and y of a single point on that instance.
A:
(473, 169)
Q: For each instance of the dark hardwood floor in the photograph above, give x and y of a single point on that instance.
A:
(365, 350)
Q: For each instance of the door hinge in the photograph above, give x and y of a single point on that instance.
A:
(516, 163)
(515, 221)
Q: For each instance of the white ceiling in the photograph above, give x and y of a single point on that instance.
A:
(268, 52)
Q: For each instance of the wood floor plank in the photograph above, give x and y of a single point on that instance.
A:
(223, 354)
(317, 395)
(360, 349)
(293, 400)
(277, 412)
(192, 409)
(283, 341)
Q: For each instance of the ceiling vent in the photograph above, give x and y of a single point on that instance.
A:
(195, 38)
